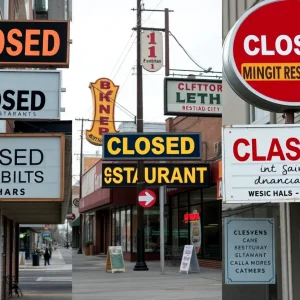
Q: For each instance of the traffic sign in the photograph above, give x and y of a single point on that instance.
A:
(147, 198)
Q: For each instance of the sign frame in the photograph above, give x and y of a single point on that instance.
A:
(152, 202)
(109, 260)
(206, 184)
(168, 112)
(39, 72)
(229, 220)
(197, 156)
(62, 167)
(39, 64)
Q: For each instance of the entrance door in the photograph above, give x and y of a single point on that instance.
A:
(102, 234)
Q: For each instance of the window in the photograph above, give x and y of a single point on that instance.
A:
(183, 199)
(151, 228)
(128, 229)
(123, 229)
(175, 227)
(118, 225)
(195, 197)
(183, 227)
(113, 228)
(134, 228)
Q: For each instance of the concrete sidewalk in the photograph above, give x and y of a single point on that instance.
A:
(91, 282)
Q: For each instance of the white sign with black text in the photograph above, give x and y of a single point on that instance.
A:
(249, 251)
(30, 94)
(197, 97)
(31, 167)
(189, 261)
(261, 163)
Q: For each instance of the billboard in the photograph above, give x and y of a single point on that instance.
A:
(188, 97)
(174, 175)
(37, 43)
(104, 93)
(151, 146)
(260, 163)
(30, 94)
(32, 167)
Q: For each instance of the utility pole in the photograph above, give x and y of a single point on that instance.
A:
(80, 187)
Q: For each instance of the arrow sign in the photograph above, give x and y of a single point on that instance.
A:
(147, 198)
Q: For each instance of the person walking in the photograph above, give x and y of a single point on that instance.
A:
(47, 257)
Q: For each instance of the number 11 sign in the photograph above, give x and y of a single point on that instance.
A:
(152, 50)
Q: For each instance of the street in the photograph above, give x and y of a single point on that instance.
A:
(50, 282)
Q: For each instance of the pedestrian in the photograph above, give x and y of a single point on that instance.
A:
(47, 257)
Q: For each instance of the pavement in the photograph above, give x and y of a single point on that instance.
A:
(52, 282)
(91, 282)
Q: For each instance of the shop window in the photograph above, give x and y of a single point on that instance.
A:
(123, 229)
(175, 227)
(134, 228)
(183, 227)
(212, 229)
(174, 201)
(128, 229)
(118, 226)
(151, 219)
(113, 228)
(183, 199)
(195, 197)
(195, 229)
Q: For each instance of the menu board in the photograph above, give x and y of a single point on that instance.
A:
(189, 260)
(115, 260)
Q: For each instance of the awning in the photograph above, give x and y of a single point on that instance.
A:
(76, 222)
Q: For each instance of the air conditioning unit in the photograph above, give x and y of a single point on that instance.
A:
(218, 148)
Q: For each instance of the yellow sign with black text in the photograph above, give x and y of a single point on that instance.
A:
(104, 93)
(181, 175)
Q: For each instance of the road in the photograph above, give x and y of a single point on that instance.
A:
(50, 284)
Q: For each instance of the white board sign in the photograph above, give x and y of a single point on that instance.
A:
(261, 163)
(249, 251)
(31, 167)
(198, 97)
(27, 94)
(189, 261)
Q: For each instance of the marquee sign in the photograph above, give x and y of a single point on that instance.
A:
(104, 93)
(32, 167)
(261, 57)
(181, 175)
(151, 146)
(36, 43)
(30, 94)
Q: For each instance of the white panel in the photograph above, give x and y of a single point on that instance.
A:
(2, 126)
(25, 175)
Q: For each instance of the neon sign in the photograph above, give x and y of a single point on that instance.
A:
(193, 217)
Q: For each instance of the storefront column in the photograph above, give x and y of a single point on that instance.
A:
(1, 258)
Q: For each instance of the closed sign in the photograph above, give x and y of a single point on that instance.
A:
(30, 94)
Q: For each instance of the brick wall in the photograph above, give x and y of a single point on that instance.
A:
(210, 129)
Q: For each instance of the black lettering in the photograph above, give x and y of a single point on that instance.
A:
(42, 100)
(22, 192)
(287, 72)
(20, 178)
(17, 163)
(5, 177)
(31, 153)
(4, 156)
(39, 175)
(28, 177)
(15, 192)
(247, 73)
(9, 100)
(21, 100)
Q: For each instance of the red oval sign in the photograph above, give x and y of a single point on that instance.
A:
(262, 55)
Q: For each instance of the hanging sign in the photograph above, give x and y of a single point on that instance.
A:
(261, 58)
(261, 163)
(249, 251)
(152, 50)
(189, 261)
(104, 93)
(197, 97)
(114, 260)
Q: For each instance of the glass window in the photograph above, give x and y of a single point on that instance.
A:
(195, 197)
(134, 228)
(175, 227)
(123, 229)
(113, 229)
(174, 201)
(195, 228)
(183, 199)
(211, 230)
(183, 227)
(128, 229)
(118, 238)
(151, 218)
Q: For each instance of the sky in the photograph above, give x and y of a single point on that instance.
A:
(104, 45)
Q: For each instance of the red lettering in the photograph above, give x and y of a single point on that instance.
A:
(255, 156)
(186, 217)
(105, 96)
(104, 120)
(236, 149)
(101, 130)
(275, 150)
(105, 85)
(180, 86)
(104, 108)
(293, 148)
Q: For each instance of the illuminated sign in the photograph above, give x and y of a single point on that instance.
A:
(151, 146)
(34, 43)
(126, 175)
(191, 217)
(104, 94)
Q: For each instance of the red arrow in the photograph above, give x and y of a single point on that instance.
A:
(147, 198)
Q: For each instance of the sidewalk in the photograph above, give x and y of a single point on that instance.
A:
(90, 280)
(57, 263)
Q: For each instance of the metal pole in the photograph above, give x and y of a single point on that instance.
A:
(290, 119)
(80, 189)
(140, 249)
(162, 200)
(167, 44)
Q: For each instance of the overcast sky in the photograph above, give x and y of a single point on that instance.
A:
(104, 46)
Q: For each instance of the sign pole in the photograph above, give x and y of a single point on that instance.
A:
(162, 200)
